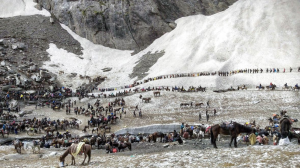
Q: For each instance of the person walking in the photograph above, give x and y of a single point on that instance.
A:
(207, 117)
(200, 116)
(140, 113)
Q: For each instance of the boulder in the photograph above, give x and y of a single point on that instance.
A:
(173, 25)
(14, 46)
(1, 41)
(38, 6)
(21, 46)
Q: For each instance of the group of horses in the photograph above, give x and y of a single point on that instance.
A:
(197, 105)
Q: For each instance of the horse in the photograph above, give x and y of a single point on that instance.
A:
(49, 129)
(100, 141)
(18, 145)
(85, 127)
(147, 100)
(4, 132)
(59, 142)
(233, 129)
(272, 87)
(198, 104)
(186, 104)
(286, 87)
(189, 131)
(95, 129)
(107, 128)
(124, 145)
(156, 94)
(285, 126)
(93, 141)
(33, 145)
(262, 87)
(199, 133)
(153, 137)
(85, 148)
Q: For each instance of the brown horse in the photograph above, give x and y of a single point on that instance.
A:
(86, 149)
(49, 129)
(186, 104)
(85, 127)
(18, 145)
(156, 94)
(2, 132)
(124, 145)
(107, 128)
(233, 129)
(285, 126)
(147, 100)
(153, 137)
(59, 142)
(198, 104)
(272, 87)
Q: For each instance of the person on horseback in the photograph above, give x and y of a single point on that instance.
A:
(285, 85)
(271, 85)
(296, 86)
(260, 85)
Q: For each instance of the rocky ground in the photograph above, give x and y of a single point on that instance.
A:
(240, 106)
(35, 33)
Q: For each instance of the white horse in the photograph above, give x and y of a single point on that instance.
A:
(198, 134)
(34, 144)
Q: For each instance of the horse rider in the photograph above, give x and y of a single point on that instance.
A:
(271, 85)
(285, 85)
(296, 86)
(260, 85)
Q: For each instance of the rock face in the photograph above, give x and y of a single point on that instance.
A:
(127, 24)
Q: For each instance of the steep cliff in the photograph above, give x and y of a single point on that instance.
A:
(127, 24)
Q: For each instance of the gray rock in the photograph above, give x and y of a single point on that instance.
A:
(173, 25)
(131, 24)
(53, 154)
(21, 46)
(38, 6)
(1, 41)
(14, 46)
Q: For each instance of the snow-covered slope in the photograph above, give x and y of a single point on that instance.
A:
(10, 8)
(94, 58)
(250, 34)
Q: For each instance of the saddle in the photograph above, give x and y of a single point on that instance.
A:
(226, 126)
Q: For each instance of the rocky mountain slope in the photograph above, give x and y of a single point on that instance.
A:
(127, 24)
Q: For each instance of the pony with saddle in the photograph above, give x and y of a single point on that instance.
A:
(18, 145)
(76, 149)
(199, 132)
(34, 144)
(232, 129)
